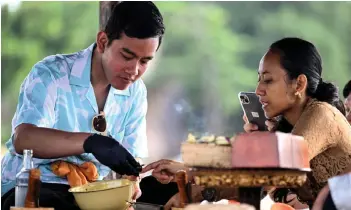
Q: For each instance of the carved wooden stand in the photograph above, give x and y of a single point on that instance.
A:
(250, 181)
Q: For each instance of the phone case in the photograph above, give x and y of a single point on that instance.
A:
(253, 109)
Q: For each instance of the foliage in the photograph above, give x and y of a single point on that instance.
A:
(211, 49)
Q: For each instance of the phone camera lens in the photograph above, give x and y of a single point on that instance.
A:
(242, 98)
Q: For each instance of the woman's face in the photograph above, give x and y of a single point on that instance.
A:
(275, 90)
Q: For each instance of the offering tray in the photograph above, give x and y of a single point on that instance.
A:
(249, 177)
(249, 181)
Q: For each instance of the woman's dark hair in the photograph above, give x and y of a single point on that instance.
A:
(137, 19)
(347, 89)
(341, 107)
(298, 56)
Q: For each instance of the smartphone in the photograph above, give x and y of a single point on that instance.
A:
(253, 110)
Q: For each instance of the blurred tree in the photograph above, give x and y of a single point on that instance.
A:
(34, 31)
(211, 49)
(203, 53)
(326, 24)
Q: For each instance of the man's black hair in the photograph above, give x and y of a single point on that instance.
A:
(136, 19)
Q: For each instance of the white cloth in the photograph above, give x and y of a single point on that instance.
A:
(340, 190)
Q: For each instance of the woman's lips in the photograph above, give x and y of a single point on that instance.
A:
(264, 103)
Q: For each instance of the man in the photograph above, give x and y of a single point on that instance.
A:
(347, 95)
(65, 99)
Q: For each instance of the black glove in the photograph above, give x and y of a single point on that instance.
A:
(111, 153)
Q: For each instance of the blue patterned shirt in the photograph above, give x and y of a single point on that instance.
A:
(58, 94)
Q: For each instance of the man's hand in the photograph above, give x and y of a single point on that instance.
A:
(164, 170)
(112, 154)
(137, 191)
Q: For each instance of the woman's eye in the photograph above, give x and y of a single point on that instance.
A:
(267, 81)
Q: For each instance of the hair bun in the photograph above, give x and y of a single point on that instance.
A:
(327, 92)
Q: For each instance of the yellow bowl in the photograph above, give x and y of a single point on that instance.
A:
(104, 195)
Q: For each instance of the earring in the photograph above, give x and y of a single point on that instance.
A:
(298, 94)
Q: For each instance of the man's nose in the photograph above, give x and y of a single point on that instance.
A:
(133, 69)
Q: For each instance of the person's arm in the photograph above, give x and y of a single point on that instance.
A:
(319, 128)
(164, 170)
(321, 198)
(48, 143)
(35, 116)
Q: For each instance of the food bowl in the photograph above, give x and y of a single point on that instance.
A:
(104, 195)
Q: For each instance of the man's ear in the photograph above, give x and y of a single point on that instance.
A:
(101, 41)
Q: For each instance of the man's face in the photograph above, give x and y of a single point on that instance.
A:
(348, 108)
(126, 59)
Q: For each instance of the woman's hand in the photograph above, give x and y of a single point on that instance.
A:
(249, 127)
(164, 170)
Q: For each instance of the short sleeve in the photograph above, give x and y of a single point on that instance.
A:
(36, 102)
(317, 126)
(135, 139)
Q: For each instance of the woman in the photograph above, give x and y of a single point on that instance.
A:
(291, 89)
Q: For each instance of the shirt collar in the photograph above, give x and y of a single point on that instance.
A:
(81, 70)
